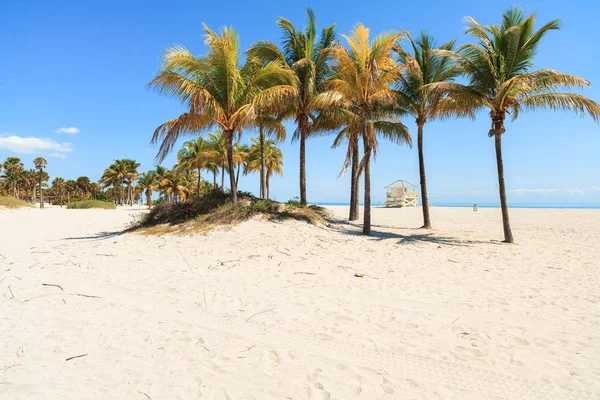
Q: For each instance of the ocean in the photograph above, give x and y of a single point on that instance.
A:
(487, 205)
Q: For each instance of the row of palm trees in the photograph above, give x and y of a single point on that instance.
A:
(23, 183)
(360, 90)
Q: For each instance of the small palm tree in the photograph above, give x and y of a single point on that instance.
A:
(83, 184)
(361, 86)
(240, 153)
(59, 185)
(40, 163)
(219, 91)
(264, 154)
(217, 152)
(501, 79)
(307, 53)
(194, 155)
(147, 182)
(13, 169)
(175, 185)
(424, 66)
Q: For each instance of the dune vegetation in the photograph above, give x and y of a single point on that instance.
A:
(11, 202)
(91, 204)
(217, 209)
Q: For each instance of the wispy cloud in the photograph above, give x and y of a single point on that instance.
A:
(29, 145)
(57, 155)
(71, 131)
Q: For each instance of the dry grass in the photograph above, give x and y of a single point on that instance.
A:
(84, 204)
(216, 210)
(11, 202)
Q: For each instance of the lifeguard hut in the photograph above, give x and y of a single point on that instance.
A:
(401, 194)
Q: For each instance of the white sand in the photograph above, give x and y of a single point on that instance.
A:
(273, 310)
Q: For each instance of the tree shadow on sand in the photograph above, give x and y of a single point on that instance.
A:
(382, 232)
(97, 236)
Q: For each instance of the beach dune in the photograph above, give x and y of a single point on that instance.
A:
(269, 310)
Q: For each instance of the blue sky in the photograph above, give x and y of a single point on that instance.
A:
(85, 65)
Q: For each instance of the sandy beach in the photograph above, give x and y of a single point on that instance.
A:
(275, 311)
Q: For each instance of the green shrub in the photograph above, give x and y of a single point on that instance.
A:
(91, 204)
(11, 202)
(295, 202)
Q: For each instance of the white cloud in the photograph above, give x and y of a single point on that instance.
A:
(57, 155)
(30, 145)
(71, 131)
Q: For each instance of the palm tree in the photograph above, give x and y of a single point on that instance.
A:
(83, 184)
(240, 153)
(129, 175)
(423, 67)
(361, 86)
(148, 183)
(113, 176)
(307, 53)
(94, 188)
(175, 185)
(70, 187)
(501, 79)
(161, 174)
(40, 163)
(217, 152)
(218, 91)
(13, 168)
(194, 155)
(59, 185)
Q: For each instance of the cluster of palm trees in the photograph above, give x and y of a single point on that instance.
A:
(32, 184)
(360, 89)
(23, 183)
(209, 155)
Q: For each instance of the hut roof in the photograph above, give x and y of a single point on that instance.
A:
(400, 183)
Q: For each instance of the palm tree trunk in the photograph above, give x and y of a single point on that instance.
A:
(148, 198)
(263, 186)
(237, 174)
(424, 197)
(267, 188)
(41, 193)
(215, 178)
(229, 144)
(367, 173)
(354, 182)
(199, 179)
(303, 122)
(61, 199)
(508, 237)
(223, 177)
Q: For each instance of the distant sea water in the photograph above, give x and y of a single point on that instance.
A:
(488, 205)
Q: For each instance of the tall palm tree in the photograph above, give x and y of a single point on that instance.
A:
(40, 163)
(361, 85)
(148, 183)
(218, 91)
(194, 155)
(130, 174)
(59, 185)
(307, 53)
(13, 168)
(420, 68)
(501, 78)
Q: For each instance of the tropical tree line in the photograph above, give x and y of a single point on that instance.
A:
(34, 184)
(358, 87)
